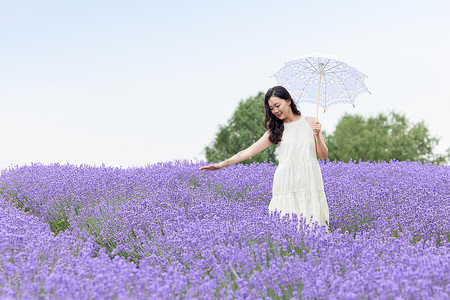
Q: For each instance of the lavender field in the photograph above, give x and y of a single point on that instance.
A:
(171, 231)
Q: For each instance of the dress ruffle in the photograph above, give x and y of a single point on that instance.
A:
(310, 204)
(297, 176)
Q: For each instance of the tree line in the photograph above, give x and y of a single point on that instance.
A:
(383, 137)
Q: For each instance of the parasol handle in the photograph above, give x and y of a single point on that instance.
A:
(318, 96)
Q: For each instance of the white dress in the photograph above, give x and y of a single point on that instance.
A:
(297, 183)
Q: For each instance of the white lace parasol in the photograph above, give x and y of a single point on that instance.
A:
(321, 80)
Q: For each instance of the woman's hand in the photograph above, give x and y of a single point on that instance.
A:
(214, 167)
(316, 128)
(321, 147)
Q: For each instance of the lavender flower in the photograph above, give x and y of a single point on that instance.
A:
(170, 231)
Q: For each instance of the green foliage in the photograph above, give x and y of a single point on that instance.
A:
(58, 220)
(383, 137)
(244, 128)
(18, 199)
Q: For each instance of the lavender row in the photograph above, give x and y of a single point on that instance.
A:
(201, 234)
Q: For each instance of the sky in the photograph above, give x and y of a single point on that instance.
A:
(133, 83)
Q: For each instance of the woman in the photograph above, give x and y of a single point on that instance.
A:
(297, 184)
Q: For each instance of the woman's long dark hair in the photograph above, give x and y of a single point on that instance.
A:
(272, 123)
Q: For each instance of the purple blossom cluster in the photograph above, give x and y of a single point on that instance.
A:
(171, 231)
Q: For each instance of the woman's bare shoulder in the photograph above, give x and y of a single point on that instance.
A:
(310, 120)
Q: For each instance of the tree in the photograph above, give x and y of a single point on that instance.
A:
(245, 127)
(383, 137)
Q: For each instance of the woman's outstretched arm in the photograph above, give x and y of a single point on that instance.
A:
(254, 149)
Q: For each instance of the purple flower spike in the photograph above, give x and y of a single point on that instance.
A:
(171, 231)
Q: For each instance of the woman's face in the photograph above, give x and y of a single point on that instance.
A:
(280, 107)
